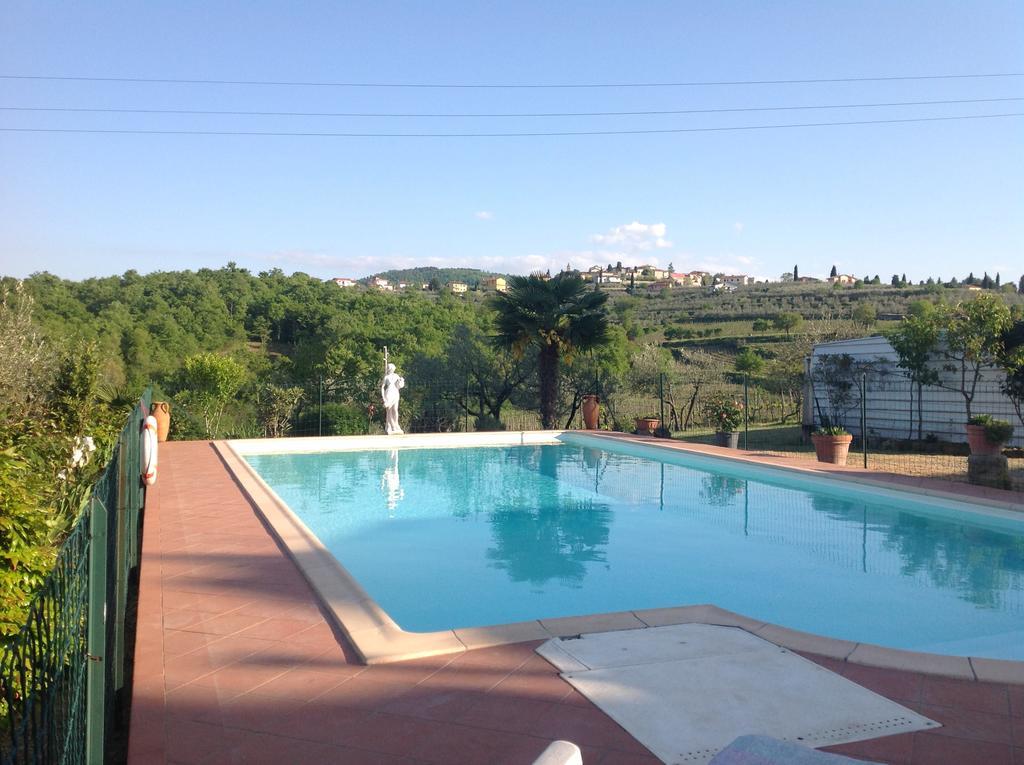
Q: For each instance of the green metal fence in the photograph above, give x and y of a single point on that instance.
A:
(61, 675)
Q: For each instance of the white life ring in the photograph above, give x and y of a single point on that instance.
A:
(149, 443)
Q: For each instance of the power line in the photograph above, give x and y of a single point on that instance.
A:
(210, 112)
(505, 135)
(716, 83)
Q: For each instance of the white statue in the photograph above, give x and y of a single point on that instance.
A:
(389, 387)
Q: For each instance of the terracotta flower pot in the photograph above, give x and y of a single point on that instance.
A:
(979, 442)
(162, 411)
(728, 439)
(832, 449)
(645, 426)
(591, 411)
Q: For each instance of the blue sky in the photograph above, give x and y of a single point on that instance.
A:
(927, 198)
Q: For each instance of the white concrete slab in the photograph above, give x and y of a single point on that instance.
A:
(648, 646)
(718, 683)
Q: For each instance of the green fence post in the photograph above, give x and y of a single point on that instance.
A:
(746, 413)
(661, 397)
(95, 704)
(864, 416)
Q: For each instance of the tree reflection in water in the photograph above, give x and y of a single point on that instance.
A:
(541, 532)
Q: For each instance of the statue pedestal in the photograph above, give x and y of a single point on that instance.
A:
(989, 470)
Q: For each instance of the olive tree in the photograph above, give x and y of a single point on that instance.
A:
(974, 340)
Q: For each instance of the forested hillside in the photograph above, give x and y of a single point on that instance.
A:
(263, 349)
(436, 277)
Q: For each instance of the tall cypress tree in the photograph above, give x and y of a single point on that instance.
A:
(796, 273)
(834, 272)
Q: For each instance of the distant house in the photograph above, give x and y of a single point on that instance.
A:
(657, 287)
(651, 273)
(737, 280)
(807, 280)
(342, 281)
(694, 279)
(494, 284)
(459, 288)
(382, 284)
(891, 401)
(842, 279)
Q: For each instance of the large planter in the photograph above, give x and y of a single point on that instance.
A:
(832, 449)
(591, 411)
(979, 442)
(645, 426)
(161, 410)
(728, 439)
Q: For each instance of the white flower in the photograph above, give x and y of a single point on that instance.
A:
(77, 458)
(90, 445)
(63, 475)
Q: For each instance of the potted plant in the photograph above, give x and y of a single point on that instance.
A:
(725, 415)
(832, 444)
(645, 426)
(986, 435)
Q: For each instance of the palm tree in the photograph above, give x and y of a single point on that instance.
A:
(557, 317)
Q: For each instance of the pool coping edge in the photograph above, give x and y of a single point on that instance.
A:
(377, 639)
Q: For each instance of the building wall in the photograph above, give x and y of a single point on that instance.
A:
(889, 410)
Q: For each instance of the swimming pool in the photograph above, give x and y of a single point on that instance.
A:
(460, 537)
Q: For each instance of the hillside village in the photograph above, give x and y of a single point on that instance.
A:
(646, 278)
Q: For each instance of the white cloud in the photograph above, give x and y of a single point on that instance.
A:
(484, 215)
(635, 237)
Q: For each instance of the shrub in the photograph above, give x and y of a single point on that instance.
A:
(724, 413)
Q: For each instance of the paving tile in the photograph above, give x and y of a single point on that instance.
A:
(248, 748)
(968, 724)
(433, 703)
(360, 693)
(391, 734)
(933, 749)
(893, 684)
(894, 749)
(449, 743)
(239, 677)
(224, 624)
(535, 680)
(275, 629)
(258, 713)
(301, 684)
(586, 727)
(504, 713)
(191, 741)
(177, 642)
(960, 694)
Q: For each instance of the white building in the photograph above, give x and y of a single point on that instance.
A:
(459, 288)
(737, 280)
(892, 398)
(382, 284)
(342, 281)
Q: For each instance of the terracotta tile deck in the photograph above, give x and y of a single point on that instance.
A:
(235, 663)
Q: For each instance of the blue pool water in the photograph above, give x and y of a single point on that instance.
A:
(460, 537)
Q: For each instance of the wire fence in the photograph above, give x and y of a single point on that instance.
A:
(63, 675)
(897, 425)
